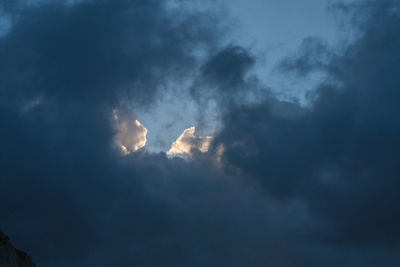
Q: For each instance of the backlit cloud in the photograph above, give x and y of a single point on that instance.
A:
(131, 134)
(187, 141)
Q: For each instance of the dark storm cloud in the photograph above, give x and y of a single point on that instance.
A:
(100, 50)
(328, 173)
(228, 67)
(341, 154)
(67, 199)
(224, 77)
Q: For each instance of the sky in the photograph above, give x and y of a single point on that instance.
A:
(272, 30)
(201, 133)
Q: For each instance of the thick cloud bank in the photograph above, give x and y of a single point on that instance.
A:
(280, 185)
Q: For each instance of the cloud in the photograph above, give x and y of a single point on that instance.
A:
(187, 141)
(100, 51)
(131, 134)
(224, 77)
(294, 186)
(338, 155)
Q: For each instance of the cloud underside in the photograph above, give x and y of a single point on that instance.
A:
(293, 185)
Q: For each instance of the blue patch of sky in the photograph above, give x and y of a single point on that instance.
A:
(272, 30)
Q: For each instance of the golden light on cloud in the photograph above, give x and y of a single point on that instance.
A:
(131, 134)
(188, 141)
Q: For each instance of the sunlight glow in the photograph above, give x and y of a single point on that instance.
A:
(188, 141)
(131, 134)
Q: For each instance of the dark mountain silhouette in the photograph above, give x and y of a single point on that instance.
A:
(12, 257)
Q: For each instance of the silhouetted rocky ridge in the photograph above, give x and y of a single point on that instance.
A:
(12, 257)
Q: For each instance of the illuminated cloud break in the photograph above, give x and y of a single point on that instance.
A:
(131, 134)
(187, 141)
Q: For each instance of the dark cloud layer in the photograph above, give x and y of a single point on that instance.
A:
(295, 186)
(340, 155)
